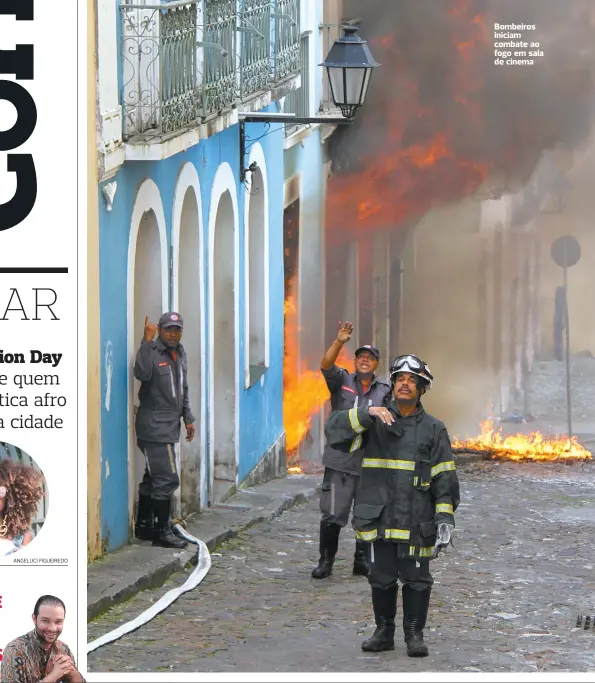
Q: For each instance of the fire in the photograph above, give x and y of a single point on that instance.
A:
(439, 120)
(532, 446)
(304, 389)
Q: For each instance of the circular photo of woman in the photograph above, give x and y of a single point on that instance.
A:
(23, 499)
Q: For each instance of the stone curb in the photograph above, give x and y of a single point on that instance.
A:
(156, 572)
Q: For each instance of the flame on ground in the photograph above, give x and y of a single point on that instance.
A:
(534, 446)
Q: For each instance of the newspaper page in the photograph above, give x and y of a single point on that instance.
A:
(41, 586)
(297, 370)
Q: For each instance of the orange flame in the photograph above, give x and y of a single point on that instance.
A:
(532, 446)
(304, 389)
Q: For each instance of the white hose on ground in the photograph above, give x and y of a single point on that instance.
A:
(203, 565)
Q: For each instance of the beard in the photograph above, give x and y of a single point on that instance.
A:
(42, 637)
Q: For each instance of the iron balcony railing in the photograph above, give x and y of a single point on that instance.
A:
(185, 60)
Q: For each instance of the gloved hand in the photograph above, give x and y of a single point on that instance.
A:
(444, 534)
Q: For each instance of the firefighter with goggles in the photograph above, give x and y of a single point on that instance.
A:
(405, 504)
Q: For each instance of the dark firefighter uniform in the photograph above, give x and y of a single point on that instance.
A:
(164, 402)
(342, 470)
(409, 485)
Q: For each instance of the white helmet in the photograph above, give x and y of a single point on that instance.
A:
(414, 365)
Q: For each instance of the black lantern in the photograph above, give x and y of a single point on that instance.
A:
(349, 66)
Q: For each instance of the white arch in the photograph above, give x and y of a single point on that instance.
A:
(257, 155)
(224, 181)
(148, 198)
(188, 178)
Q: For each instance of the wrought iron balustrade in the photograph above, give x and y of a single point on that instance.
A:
(220, 86)
(159, 66)
(184, 60)
(255, 28)
(287, 38)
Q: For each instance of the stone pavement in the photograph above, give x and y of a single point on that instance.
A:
(505, 599)
(120, 575)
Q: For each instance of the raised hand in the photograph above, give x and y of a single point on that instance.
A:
(345, 332)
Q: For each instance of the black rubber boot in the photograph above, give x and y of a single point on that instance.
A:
(415, 613)
(384, 601)
(164, 536)
(329, 543)
(360, 559)
(144, 529)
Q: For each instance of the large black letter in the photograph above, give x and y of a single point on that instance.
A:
(26, 115)
(24, 12)
(20, 206)
(18, 62)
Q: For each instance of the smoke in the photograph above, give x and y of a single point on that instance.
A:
(441, 124)
(441, 118)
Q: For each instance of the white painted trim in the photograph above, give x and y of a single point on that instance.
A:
(257, 155)
(301, 267)
(148, 198)
(188, 179)
(223, 181)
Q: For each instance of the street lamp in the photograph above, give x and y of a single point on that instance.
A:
(349, 66)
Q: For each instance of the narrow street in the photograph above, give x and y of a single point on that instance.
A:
(505, 599)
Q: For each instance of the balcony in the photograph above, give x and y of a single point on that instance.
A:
(186, 63)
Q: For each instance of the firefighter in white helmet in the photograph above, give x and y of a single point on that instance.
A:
(404, 507)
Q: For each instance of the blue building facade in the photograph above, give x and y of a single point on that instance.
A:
(178, 229)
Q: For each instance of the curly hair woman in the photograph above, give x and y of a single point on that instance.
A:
(21, 489)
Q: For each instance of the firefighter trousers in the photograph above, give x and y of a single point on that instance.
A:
(388, 564)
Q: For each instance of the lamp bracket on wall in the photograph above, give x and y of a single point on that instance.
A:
(277, 118)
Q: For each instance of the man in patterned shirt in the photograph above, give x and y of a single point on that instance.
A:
(38, 656)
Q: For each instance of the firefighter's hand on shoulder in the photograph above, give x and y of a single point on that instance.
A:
(444, 534)
(383, 414)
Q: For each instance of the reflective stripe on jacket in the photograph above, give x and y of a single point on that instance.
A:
(346, 392)
(409, 482)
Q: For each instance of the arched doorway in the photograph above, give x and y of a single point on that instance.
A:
(188, 295)
(147, 296)
(223, 398)
(256, 274)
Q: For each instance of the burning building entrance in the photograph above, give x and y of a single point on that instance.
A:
(448, 174)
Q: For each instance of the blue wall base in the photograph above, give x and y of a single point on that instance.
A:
(272, 465)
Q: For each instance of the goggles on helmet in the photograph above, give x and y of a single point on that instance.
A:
(412, 364)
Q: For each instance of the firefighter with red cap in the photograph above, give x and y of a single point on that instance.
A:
(162, 368)
(404, 508)
(342, 473)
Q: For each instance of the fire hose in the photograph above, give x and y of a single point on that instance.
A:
(203, 564)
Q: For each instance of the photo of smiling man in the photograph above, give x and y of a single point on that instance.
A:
(38, 656)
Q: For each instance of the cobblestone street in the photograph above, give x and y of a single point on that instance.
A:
(505, 599)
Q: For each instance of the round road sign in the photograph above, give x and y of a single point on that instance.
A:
(566, 251)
